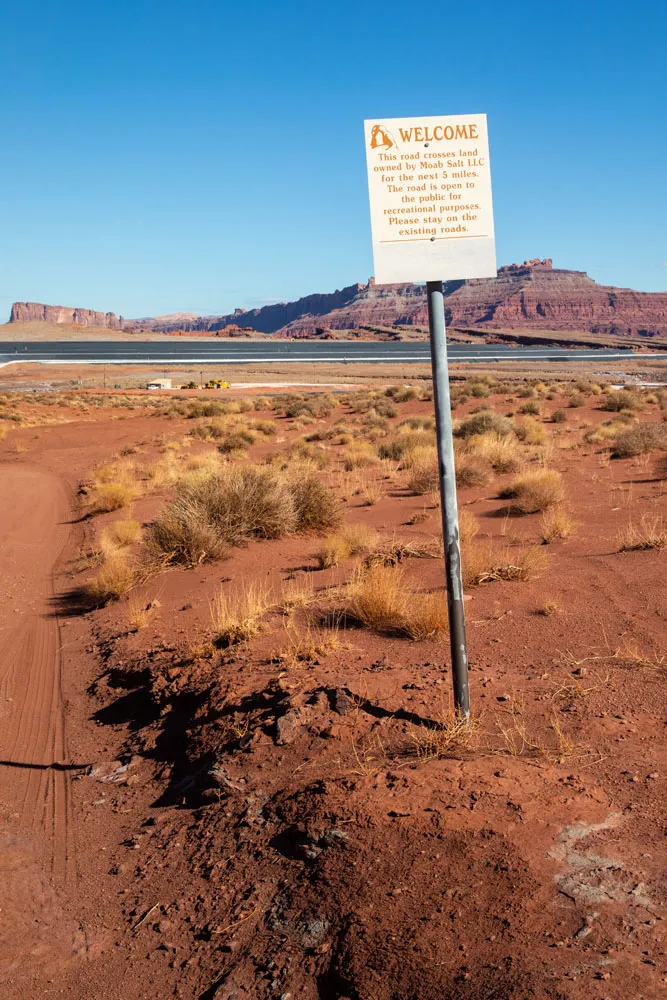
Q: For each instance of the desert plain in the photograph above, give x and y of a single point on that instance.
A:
(231, 764)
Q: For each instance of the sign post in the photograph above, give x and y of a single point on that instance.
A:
(432, 220)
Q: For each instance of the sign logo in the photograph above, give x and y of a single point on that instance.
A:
(381, 138)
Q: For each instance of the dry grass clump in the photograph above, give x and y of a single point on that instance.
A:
(315, 454)
(555, 523)
(471, 470)
(396, 550)
(424, 475)
(237, 440)
(114, 580)
(350, 540)
(250, 502)
(297, 593)
(306, 645)
(650, 533)
(559, 416)
(485, 562)
(380, 597)
(482, 423)
(451, 736)
(468, 526)
(359, 455)
(139, 612)
(417, 424)
(405, 442)
(531, 407)
(549, 607)
(639, 440)
(403, 393)
(316, 507)
(530, 431)
(321, 405)
(620, 399)
(237, 617)
(501, 452)
(114, 496)
(369, 490)
(121, 533)
(605, 432)
(576, 400)
(534, 491)
(660, 470)
(115, 486)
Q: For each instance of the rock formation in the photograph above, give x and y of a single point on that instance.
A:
(28, 312)
(529, 296)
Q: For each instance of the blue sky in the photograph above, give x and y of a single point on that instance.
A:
(168, 156)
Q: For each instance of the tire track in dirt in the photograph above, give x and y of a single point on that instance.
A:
(34, 511)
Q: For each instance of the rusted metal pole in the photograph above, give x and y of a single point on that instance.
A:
(449, 508)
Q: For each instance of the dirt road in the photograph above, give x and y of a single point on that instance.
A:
(37, 853)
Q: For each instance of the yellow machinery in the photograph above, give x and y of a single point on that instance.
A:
(216, 383)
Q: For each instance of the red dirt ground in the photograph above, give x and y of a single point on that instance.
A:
(165, 834)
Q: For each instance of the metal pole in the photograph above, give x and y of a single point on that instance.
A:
(447, 476)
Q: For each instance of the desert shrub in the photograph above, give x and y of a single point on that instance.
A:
(472, 470)
(316, 507)
(384, 407)
(374, 425)
(478, 390)
(482, 423)
(576, 399)
(236, 440)
(532, 407)
(114, 580)
(526, 392)
(639, 440)
(402, 393)
(620, 399)
(265, 427)
(314, 406)
(350, 540)
(534, 491)
(530, 431)
(661, 467)
(250, 502)
(559, 416)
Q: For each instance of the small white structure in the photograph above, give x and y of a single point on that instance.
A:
(159, 383)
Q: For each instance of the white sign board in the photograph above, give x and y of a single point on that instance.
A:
(430, 191)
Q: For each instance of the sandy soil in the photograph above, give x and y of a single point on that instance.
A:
(184, 821)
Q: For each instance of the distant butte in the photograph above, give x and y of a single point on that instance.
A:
(533, 295)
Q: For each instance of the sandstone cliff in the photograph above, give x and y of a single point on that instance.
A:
(28, 312)
(528, 296)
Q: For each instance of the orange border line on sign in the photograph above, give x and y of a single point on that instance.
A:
(428, 239)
